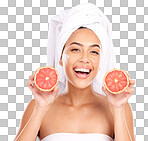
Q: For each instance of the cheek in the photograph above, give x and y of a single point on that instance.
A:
(96, 60)
(68, 61)
(65, 58)
(96, 63)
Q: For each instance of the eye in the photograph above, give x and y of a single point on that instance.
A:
(96, 52)
(74, 49)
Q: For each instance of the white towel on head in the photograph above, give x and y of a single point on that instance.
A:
(64, 24)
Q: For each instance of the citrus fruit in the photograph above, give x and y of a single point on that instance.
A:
(46, 78)
(116, 81)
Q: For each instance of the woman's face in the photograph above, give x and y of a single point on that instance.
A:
(81, 49)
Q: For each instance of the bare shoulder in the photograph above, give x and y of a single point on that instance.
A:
(128, 108)
(27, 113)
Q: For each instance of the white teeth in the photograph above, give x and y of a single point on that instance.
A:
(82, 70)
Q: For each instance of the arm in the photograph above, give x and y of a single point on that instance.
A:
(122, 113)
(123, 123)
(30, 123)
(35, 112)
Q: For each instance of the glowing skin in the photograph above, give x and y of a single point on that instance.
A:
(84, 55)
(65, 57)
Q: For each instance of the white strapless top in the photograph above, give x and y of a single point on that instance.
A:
(77, 137)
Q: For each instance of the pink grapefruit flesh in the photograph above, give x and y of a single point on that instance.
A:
(116, 81)
(46, 78)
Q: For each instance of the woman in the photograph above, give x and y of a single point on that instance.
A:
(85, 110)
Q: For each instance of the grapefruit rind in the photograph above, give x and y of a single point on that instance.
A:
(124, 87)
(48, 90)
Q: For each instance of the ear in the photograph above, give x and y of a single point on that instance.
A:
(60, 62)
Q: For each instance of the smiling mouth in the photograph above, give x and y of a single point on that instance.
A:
(80, 72)
(82, 75)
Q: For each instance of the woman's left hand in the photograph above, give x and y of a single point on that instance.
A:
(119, 100)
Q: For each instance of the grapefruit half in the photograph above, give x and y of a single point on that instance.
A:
(46, 78)
(116, 81)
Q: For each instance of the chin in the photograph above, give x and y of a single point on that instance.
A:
(81, 84)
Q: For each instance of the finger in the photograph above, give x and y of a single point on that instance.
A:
(129, 90)
(132, 83)
(56, 90)
(105, 90)
(54, 94)
(31, 77)
(33, 89)
(30, 84)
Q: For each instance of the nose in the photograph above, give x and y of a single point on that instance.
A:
(84, 58)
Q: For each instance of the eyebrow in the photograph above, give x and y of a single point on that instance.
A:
(94, 45)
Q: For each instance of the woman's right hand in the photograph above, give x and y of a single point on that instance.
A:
(43, 99)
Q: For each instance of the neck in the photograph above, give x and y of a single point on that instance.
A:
(77, 97)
